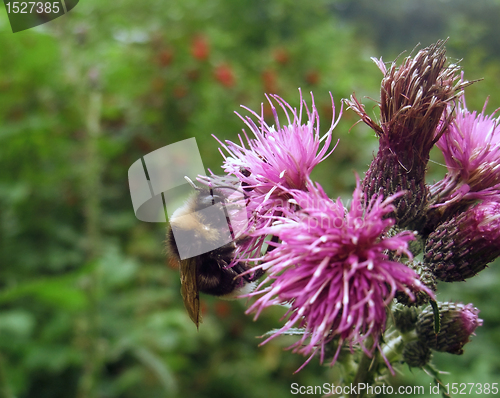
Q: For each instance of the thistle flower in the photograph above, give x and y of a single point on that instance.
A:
(413, 99)
(275, 160)
(461, 247)
(457, 323)
(333, 269)
(471, 149)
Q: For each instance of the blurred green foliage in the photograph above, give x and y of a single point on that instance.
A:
(88, 304)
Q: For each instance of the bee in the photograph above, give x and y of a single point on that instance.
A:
(201, 241)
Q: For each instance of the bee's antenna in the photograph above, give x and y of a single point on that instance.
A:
(191, 183)
(213, 185)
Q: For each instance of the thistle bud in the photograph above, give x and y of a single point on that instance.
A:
(405, 318)
(457, 324)
(413, 98)
(416, 354)
(428, 280)
(461, 247)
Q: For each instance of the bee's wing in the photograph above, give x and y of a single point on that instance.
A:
(189, 288)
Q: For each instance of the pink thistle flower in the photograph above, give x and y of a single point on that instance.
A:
(275, 160)
(332, 267)
(471, 149)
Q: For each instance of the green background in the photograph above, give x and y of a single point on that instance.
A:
(89, 306)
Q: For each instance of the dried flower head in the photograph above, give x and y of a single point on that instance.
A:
(413, 98)
(333, 269)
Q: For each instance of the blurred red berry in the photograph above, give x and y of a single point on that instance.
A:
(200, 48)
(312, 77)
(269, 81)
(327, 111)
(165, 57)
(180, 91)
(157, 84)
(222, 309)
(143, 144)
(281, 55)
(268, 111)
(193, 74)
(225, 75)
(203, 308)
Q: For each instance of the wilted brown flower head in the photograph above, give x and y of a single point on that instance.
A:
(413, 98)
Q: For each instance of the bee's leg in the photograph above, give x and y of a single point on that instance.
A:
(257, 274)
(239, 268)
(270, 248)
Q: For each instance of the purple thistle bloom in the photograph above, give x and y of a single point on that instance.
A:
(275, 160)
(471, 149)
(333, 268)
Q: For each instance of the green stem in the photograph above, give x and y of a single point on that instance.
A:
(92, 185)
(88, 100)
(366, 370)
(434, 373)
(5, 391)
(393, 349)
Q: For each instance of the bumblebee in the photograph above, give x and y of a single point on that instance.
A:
(201, 241)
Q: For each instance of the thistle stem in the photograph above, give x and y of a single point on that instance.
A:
(366, 371)
(5, 391)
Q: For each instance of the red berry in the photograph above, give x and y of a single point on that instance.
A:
(165, 57)
(312, 77)
(180, 91)
(269, 81)
(281, 55)
(200, 48)
(222, 309)
(224, 75)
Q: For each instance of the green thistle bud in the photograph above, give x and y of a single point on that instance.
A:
(426, 277)
(416, 354)
(405, 318)
(457, 324)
